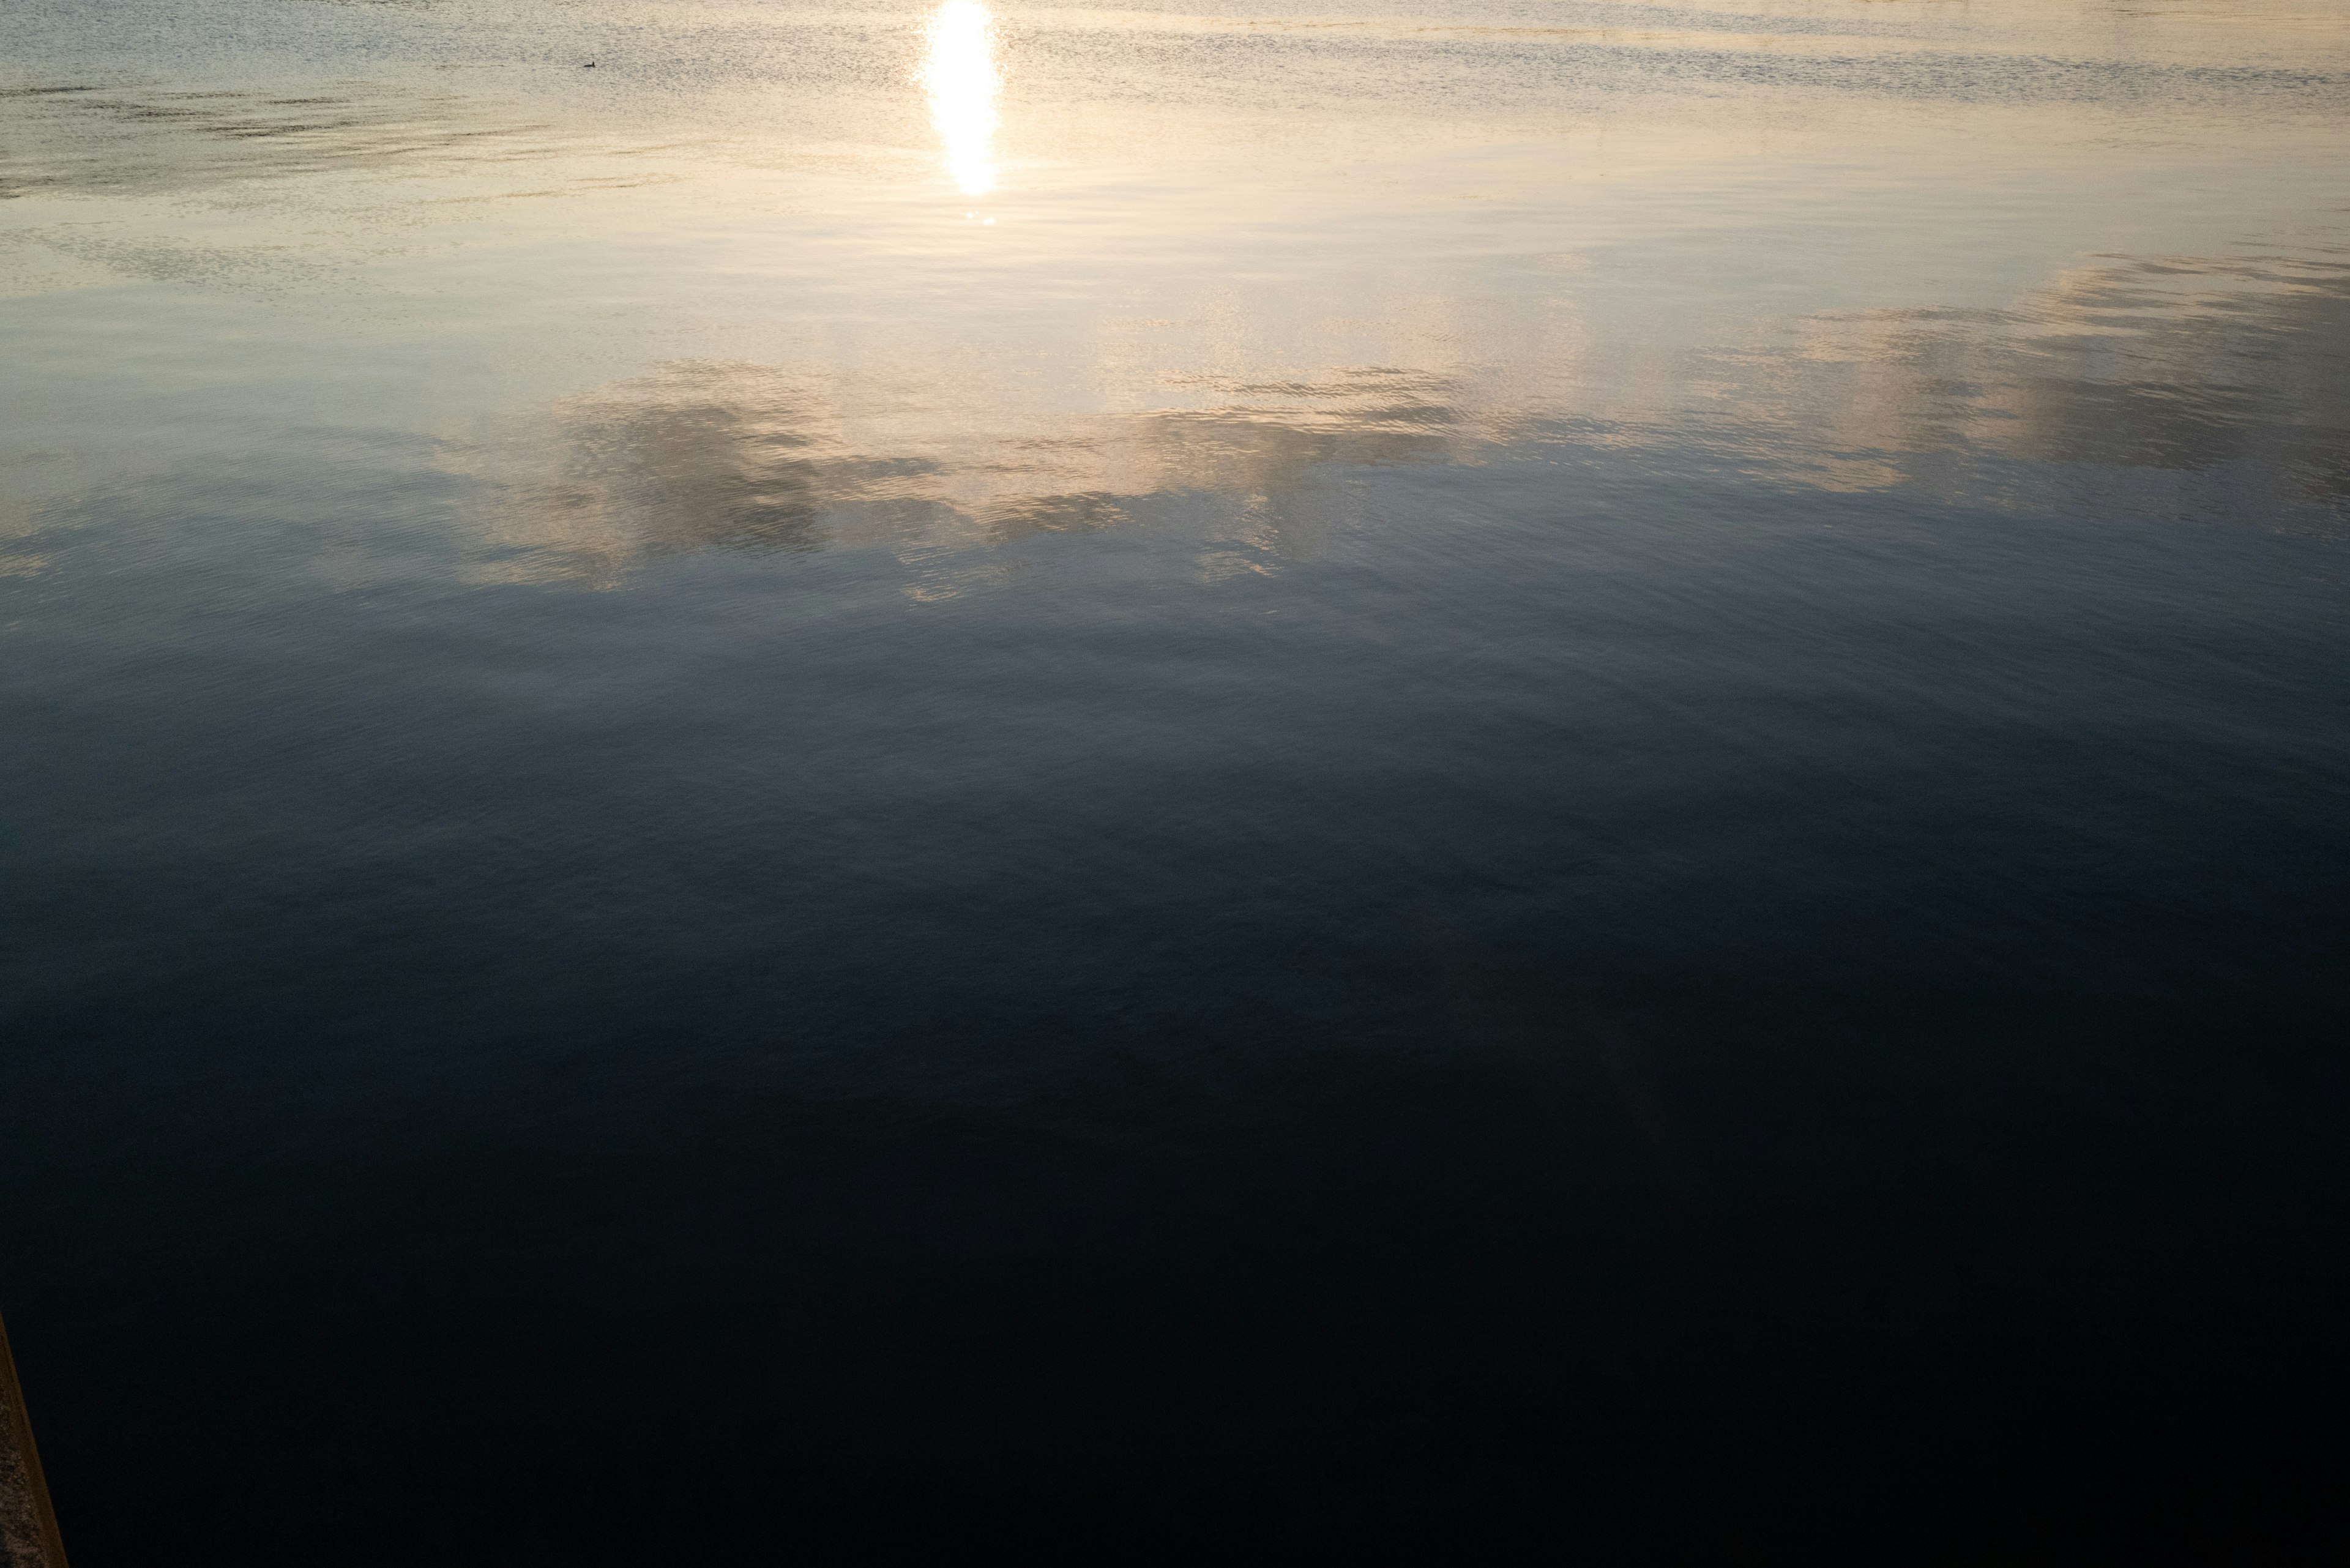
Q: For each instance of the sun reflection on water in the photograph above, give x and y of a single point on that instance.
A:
(960, 76)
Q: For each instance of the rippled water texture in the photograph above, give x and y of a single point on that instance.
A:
(780, 776)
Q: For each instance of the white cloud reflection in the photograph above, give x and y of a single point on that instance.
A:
(960, 77)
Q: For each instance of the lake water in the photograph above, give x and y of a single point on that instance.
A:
(837, 780)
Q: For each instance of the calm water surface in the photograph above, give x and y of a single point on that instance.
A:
(1138, 782)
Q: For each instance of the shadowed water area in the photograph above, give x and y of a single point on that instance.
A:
(1473, 781)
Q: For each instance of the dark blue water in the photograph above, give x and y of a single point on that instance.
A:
(1474, 805)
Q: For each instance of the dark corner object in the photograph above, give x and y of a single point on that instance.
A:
(28, 1527)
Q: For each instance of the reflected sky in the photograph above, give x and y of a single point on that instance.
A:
(750, 457)
(2223, 371)
(1859, 245)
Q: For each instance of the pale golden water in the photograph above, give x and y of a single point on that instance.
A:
(1431, 779)
(919, 280)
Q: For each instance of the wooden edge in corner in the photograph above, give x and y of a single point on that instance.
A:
(28, 1525)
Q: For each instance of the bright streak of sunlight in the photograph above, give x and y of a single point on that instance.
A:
(960, 76)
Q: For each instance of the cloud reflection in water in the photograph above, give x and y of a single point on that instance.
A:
(2219, 366)
(704, 455)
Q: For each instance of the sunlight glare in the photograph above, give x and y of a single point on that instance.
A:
(960, 77)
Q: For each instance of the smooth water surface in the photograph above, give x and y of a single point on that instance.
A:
(1136, 780)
